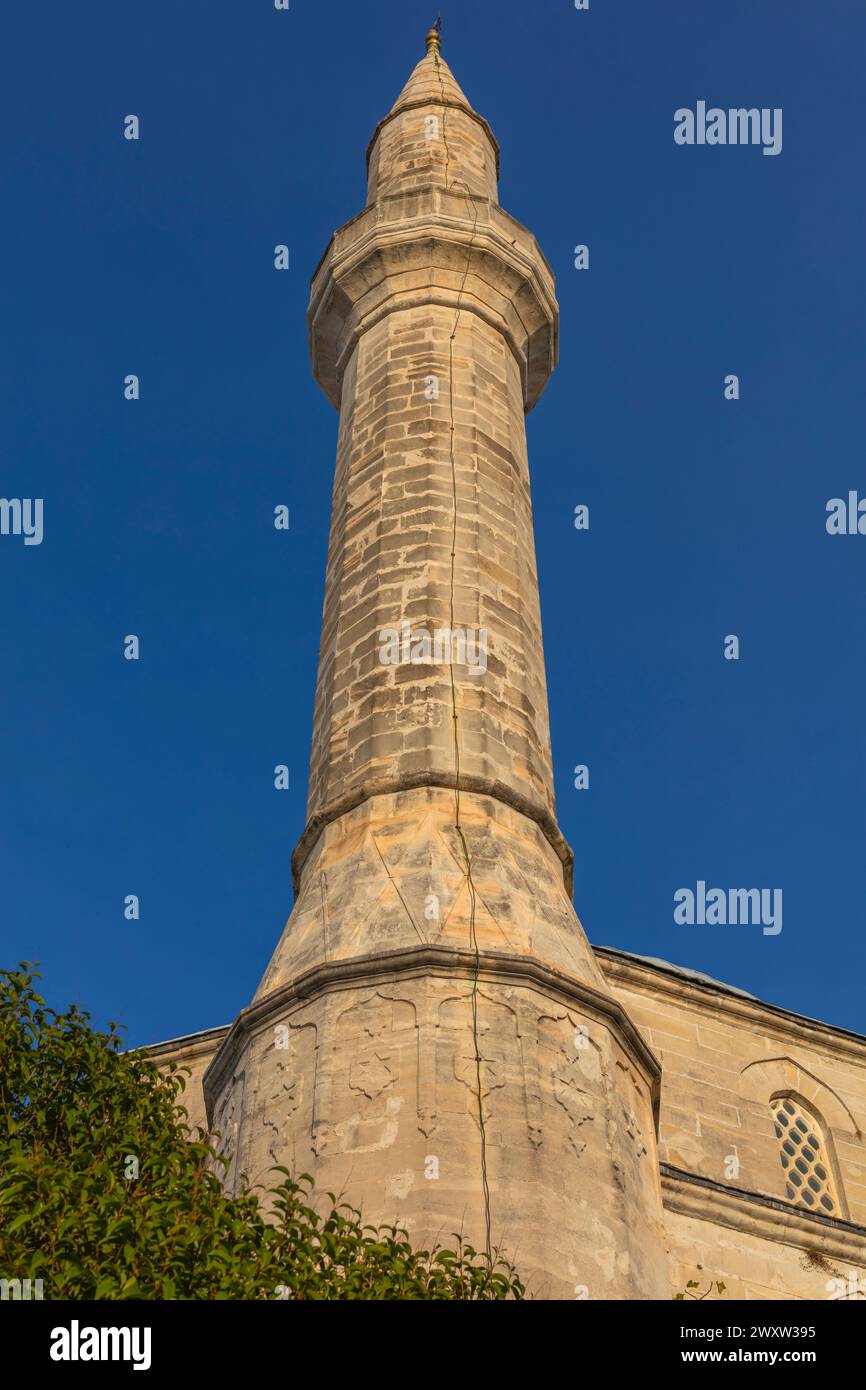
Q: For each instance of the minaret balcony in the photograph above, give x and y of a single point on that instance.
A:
(434, 246)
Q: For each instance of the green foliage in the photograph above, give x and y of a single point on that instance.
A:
(76, 1112)
(699, 1297)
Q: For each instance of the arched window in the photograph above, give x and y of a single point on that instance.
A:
(808, 1172)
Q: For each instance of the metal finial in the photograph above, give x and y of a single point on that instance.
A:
(434, 37)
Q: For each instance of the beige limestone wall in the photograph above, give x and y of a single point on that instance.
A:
(753, 1267)
(758, 1248)
(723, 1058)
(193, 1055)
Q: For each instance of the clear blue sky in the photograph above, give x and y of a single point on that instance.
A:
(707, 516)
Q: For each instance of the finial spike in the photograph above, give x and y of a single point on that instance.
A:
(434, 37)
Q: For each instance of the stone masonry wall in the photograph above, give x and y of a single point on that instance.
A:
(390, 561)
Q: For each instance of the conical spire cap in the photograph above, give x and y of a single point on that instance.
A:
(431, 80)
(432, 83)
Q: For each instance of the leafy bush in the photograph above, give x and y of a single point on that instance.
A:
(105, 1193)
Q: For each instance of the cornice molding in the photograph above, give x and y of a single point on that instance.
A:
(388, 967)
(368, 272)
(775, 1021)
(189, 1046)
(758, 1214)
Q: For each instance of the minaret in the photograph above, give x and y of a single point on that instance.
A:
(433, 1037)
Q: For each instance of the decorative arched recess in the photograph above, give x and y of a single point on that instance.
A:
(773, 1076)
(777, 1078)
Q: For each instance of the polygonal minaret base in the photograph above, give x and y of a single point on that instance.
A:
(433, 1026)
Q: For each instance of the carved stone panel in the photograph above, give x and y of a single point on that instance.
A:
(498, 1076)
(369, 1048)
(227, 1123)
(284, 1096)
(569, 1066)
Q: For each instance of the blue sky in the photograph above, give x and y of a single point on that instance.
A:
(707, 517)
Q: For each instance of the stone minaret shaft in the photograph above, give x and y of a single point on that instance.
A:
(433, 1004)
(433, 326)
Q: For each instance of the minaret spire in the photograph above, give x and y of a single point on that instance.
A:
(433, 1008)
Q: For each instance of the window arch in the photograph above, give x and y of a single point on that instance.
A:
(809, 1176)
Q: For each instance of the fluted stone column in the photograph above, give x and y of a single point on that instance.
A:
(433, 986)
